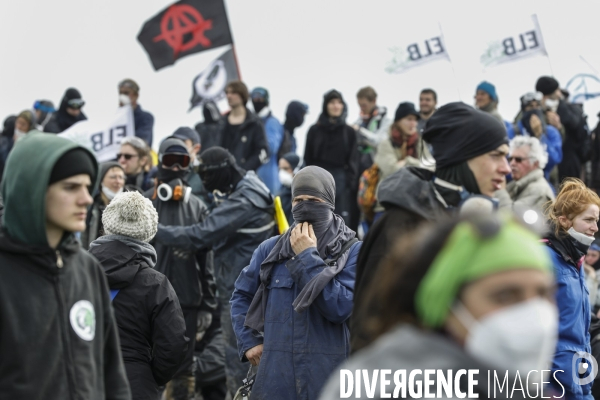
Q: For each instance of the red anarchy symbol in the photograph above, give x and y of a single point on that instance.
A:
(183, 19)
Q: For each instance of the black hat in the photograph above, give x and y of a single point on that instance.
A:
(184, 133)
(547, 85)
(292, 158)
(405, 109)
(73, 162)
(458, 132)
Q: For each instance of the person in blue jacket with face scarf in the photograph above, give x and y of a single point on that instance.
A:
(291, 305)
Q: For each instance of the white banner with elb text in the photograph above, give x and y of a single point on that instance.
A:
(103, 139)
(425, 46)
(521, 38)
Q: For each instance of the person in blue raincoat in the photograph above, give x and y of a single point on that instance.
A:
(574, 221)
(268, 172)
(291, 305)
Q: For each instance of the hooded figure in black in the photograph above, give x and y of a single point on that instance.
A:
(331, 145)
(412, 196)
(212, 126)
(153, 338)
(6, 141)
(68, 113)
(242, 219)
(186, 270)
(294, 117)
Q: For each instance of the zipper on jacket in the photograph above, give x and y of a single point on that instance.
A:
(64, 319)
(59, 260)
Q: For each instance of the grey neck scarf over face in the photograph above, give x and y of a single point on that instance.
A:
(330, 230)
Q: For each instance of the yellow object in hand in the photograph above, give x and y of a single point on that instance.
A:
(280, 218)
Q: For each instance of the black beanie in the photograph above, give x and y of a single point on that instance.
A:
(404, 110)
(74, 162)
(292, 158)
(547, 85)
(219, 170)
(458, 132)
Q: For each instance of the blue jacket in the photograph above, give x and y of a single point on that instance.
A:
(552, 141)
(269, 172)
(300, 350)
(144, 122)
(572, 299)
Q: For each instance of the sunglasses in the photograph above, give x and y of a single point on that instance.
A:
(518, 159)
(75, 103)
(127, 156)
(172, 160)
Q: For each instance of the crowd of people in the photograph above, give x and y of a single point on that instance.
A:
(440, 237)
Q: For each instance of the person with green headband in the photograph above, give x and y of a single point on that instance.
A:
(473, 294)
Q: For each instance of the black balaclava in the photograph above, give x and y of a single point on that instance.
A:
(219, 171)
(211, 113)
(324, 119)
(526, 119)
(294, 116)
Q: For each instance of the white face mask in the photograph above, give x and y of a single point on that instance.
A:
(581, 237)
(19, 134)
(552, 104)
(517, 338)
(285, 178)
(109, 193)
(124, 99)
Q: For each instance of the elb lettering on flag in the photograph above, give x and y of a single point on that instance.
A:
(426, 47)
(523, 38)
(185, 28)
(103, 139)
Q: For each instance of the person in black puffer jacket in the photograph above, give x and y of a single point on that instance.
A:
(68, 114)
(332, 145)
(150, 320)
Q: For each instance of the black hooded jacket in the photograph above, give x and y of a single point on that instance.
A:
(150, 320)
(211, 129)
(410, 199)
(61, 120)
(248, 144)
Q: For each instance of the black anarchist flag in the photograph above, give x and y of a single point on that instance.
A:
(210, 84)
(184, 28)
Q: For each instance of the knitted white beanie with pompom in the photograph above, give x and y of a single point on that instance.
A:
(130, 214)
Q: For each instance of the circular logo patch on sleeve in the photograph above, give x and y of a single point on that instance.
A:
(83, 319)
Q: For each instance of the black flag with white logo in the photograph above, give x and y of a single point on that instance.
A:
(210, 83)
(185, 28)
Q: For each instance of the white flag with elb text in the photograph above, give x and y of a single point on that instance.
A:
(520, 38)
(425, 46)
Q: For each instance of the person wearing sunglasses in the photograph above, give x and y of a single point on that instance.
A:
(68, 113)
(134, 157)
(190, 272)
(527, 159)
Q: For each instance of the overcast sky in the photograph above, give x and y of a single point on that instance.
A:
(296, 49)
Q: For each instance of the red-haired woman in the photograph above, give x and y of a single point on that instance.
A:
(574, 221)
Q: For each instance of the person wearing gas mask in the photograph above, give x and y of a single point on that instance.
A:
(292, 302)
(68, 114)
(469, 294)
(274, 133)
(470, 149)
(129, 92)
(111, 182)
(192, 141)
(573, 220)
(242, 219)
(569, 119)
(288, 166)
(176, 206)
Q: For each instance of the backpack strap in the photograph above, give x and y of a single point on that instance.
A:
(113, 294)
(345, 247)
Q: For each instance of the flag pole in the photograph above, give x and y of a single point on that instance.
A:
(237, 65)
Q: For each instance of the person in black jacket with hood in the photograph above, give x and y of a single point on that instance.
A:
(58, 335)
(470, 149)
(150, 320)
(211, 128)
(68, 113)
(332, 145)
(243, 134)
